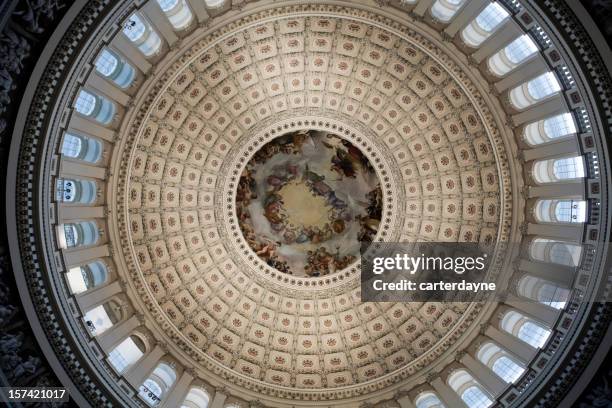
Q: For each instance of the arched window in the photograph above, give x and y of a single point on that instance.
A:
(535, 90)
(513, 55)
(485, 24)
(560, 169)
(500, 362)
(543, 291)
(560, 211)
(428, 400)
(178, 13)
(196, 398)
(95, 107)
(142, 35)
(82, 148)
(445, 10)
(157, 386)
(525, 329)
(75, 191)
(103, 317)
(475, 397)
(470, 391)
(546, 130)
(88, 276)
(559, 252)
(111, 66)
(126, 353)
(77, 234)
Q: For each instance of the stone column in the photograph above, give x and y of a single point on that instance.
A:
(78, 212)
(523, 351)
(404, 402)
(566, 232)
(563, 275)
(84, 255)
(91, 298)
(137, 374)
(81, 169)
(538, 311)
(549, 107)
(218, 399)
(571, 189)
(116, 334)
(484, 375)
(465, 16)
(422, 7)
(562, 147)
(504, 35)
(447, 395)
(176, 397)
(531, 68)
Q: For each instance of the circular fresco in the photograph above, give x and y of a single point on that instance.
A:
(307, 201)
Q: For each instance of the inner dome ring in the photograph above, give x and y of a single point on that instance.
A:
(234, 166)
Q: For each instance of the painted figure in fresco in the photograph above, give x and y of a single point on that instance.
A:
(266, 226)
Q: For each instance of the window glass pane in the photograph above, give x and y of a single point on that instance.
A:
(543, 86)
(124, 355)
(167, 4)
(491, 17)
(429, 400)
(475, 398)
(559, 125)
(520, 49)
(85, 103)
(553, 296)
(134, 28)
(533, 334)
(98, 320)
(507, 369)
(570, 211)
(71, 235)
(71, 145)
(150, 391)
(569, 168)
(107, 63)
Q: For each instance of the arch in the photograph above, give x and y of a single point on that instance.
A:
(76, 191)
(127, 353)
(484, 25)
(428, 400)
(470, 391)
(543, 291)
(559, 169)
(95, 107)
(158, 384)
(178, 12)
(79, 147)
(535, 90)
(445, 10)
(514, 54)
(111, 66)
(101, 318)
(560, 211)
(550, 129)
(525, 329)
(88, 276)
(500, 362)
(197, 397)
(76, 234)
(142, 35)
(555, 251)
